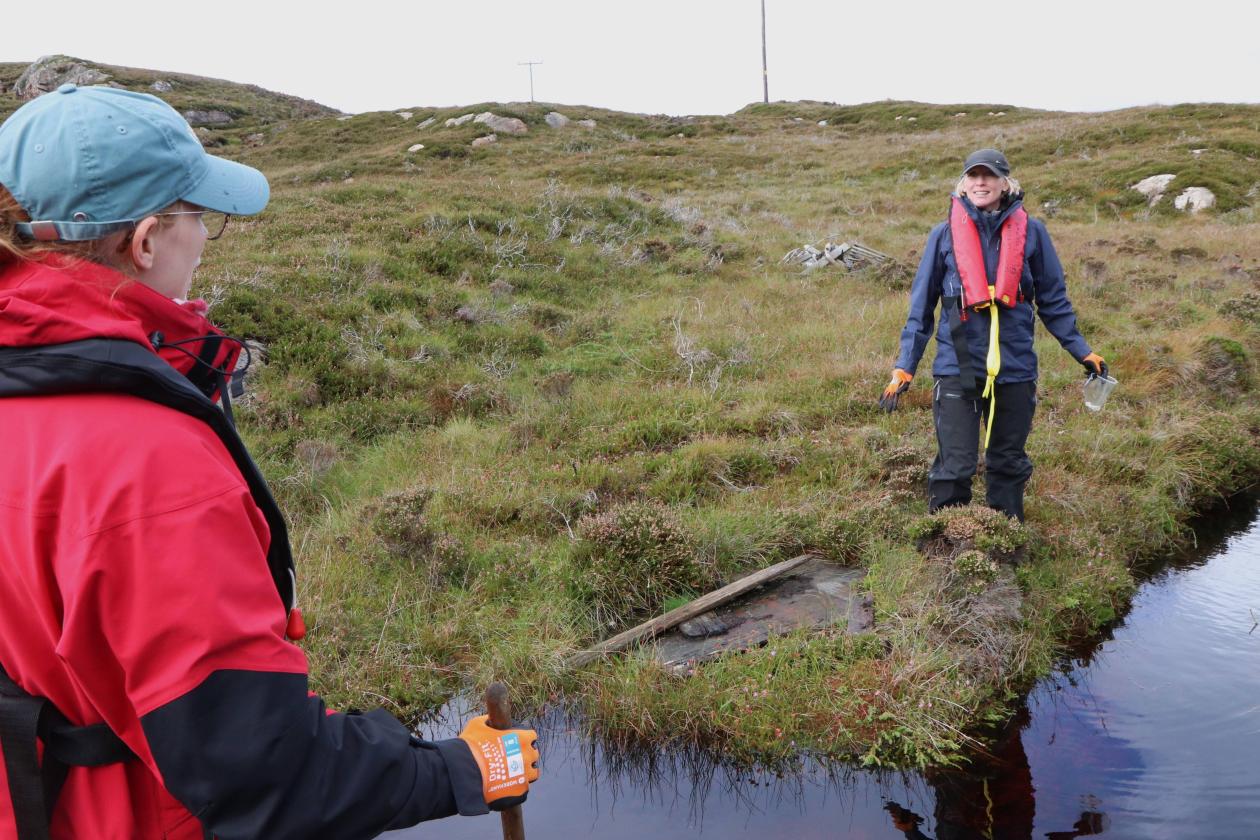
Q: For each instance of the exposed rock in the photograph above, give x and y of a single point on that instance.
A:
(1153, 187)
(417, 147)
(1195, 199)
(207, 138)
(345, 117)
(961, 114)
(586, 123)
(502, 125)
(454, 121)
(485, 141)
(256, 139)
(161, 86)
(430, 121)
(406, 115)
(822, 122)
(556, 120)
(51, 72)
(211, 117)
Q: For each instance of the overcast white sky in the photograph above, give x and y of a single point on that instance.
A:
(680, 56)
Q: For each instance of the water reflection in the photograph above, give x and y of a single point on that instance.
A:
(1150, 732)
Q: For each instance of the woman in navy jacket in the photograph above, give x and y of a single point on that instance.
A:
(988, 241)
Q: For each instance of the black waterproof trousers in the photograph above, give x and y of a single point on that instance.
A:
(959, 426)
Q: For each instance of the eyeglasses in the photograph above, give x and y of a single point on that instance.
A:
(214, 221)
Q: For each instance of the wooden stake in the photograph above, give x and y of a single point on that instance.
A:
(499, 709)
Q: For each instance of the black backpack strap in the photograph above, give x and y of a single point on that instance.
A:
(20, 716)
(102, 365)
(34, 787)
(962, 351)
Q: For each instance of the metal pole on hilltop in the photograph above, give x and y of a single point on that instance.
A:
(529, 64)
(765, 73)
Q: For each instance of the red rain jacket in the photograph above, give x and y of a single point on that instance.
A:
(135, 591)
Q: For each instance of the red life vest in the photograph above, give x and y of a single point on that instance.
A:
(977, 293)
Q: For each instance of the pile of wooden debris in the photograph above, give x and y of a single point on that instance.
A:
(852, 255)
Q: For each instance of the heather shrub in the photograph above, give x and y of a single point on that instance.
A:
(399, 521)
(629, 559)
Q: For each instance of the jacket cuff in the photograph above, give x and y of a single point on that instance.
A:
(465, 777)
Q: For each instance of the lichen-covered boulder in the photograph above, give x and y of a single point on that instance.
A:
(51, 72)
(208, 117)
(1153, 187)
(1195, 199)
(501, 125)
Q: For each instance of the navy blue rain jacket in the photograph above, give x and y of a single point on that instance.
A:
(1042, 284)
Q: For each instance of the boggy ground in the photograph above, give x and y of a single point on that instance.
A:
(517, 398)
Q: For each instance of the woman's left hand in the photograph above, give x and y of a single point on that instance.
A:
(1095, 364)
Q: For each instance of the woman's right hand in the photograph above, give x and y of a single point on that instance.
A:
(507, 758)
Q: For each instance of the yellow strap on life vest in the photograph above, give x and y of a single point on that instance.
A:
(993, 363)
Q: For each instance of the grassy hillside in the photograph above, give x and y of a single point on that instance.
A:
(249, 106)
(518, 397)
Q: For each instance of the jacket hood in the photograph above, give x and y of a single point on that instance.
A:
(59, 300)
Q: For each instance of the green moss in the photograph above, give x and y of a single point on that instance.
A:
(1227, 365)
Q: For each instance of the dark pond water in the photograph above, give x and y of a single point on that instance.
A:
(1152, 732)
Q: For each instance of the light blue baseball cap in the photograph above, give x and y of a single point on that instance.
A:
(85, 162)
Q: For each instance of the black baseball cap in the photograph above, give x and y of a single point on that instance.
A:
(990, 159)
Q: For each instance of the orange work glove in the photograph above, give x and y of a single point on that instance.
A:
(1095, 364)
(507, 758)
(899, 385)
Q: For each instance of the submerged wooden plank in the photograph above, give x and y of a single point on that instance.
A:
(703, 604)
(815, 595)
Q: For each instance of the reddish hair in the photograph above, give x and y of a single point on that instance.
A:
(14, 247)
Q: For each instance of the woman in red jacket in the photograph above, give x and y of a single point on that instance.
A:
(146, 588)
